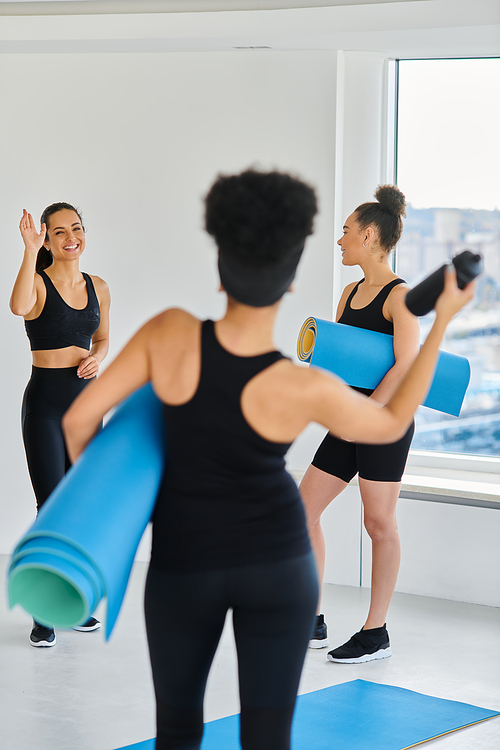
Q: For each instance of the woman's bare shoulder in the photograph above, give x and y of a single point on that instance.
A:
(292, 396)
(395, 302)
(99, 284)
(349, 287)
(173, 329)
(399, 291)
(102, 291)
(301, 382)
(175, 317)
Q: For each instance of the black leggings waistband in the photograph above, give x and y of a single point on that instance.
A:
(54, 373)
(51, 391)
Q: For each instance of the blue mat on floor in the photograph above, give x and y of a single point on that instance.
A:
(357, 715)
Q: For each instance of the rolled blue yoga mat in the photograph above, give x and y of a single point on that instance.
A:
(82, 544)
(362, 358)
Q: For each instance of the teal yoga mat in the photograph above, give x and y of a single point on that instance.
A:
(82, 544)
(357, 715)
(362, 358)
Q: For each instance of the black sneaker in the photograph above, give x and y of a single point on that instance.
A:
(319, 637)
(42, 637)
(91, 624)
(363, 646)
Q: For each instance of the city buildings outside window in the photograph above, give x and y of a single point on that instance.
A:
(448, 166)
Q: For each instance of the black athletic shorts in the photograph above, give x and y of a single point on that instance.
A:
(378, 463)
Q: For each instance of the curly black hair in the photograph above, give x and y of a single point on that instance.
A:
(257, 217)
(385, 214)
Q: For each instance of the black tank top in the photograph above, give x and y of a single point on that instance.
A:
(60, 325)
(371, 316)
(226, 499)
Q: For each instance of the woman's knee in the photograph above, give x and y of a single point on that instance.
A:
(380, 528)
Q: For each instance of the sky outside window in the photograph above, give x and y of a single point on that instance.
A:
(449, 120)
(449, 169)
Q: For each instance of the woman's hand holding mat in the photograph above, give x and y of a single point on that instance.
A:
(83, 542)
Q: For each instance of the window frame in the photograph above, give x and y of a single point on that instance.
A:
(417, 457)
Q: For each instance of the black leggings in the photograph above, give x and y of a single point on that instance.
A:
(48, 395)
(273, 608)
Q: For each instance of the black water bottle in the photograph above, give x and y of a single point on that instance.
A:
(421, 299)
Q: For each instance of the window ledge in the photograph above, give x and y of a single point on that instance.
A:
(450, 486)
(447, 485)
(459, 487)
(452, 478)
(456, 461)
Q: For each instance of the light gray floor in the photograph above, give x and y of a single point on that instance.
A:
(84, 694)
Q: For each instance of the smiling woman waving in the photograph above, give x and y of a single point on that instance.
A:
(66, 315)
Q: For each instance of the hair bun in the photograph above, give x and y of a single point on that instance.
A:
(391, 198)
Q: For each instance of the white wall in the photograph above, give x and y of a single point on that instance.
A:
(449, 551)
(135, 140)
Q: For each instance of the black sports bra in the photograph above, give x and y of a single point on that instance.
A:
(370, 316)
(59, 325)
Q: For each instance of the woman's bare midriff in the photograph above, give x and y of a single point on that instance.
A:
(70, 356)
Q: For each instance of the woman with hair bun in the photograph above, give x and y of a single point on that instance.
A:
(229, 529)
(66, 318)
(375, 303)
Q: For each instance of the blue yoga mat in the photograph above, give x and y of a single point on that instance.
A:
(362, 358)
(82, 545)
(357, 715)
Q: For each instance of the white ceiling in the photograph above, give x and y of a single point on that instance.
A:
(399, 28)
(22, 7)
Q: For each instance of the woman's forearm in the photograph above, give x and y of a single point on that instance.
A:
(99, 349)
(129, 371)
(389, 384)
(78, 433)
(415, 384)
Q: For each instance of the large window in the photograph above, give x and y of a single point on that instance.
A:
(448, 166)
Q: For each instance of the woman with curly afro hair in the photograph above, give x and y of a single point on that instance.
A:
(375, 303)
(229, 529)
